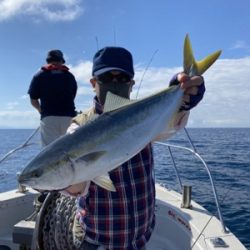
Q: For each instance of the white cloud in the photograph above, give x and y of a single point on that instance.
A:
(226, 102)
(25, 97)
(84, 90)
(19, 119)
(227, 99)
(82, 71)
(154, 79)
(51, 10)
(240, 44)
(12, 105)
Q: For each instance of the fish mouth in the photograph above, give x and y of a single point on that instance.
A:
(21, 179)
(27, 176)
(26, 181)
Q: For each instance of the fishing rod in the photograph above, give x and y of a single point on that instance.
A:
(114, 37)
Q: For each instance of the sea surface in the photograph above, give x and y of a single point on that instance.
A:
(225, 150)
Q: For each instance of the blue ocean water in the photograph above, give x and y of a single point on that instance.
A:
(225, 150)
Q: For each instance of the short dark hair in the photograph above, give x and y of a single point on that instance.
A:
(55, 56)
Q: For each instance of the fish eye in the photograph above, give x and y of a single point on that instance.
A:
(37, 173)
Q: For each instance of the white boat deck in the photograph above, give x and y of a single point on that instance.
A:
(176, 228)
(181, 228)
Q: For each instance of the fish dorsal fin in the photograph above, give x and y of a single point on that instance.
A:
(193, 67)
(113, 102)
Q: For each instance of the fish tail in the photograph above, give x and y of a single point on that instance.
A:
(193, 67)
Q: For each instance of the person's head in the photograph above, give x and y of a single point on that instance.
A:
(55, 56)
(112, 71)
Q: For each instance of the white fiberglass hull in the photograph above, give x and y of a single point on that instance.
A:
(176, 228)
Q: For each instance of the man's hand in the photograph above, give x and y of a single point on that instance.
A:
(194, 90)
(36, 104)
(77, 189)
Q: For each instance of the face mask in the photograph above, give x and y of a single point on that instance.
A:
(118, 84)
(117, 88)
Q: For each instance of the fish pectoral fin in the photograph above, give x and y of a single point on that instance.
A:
(105, 182)
(193, 67)
(114, 102)
(93, 156)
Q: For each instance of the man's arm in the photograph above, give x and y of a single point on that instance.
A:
(36, 104)
(79, 188)
(194, 90)
(179, 121)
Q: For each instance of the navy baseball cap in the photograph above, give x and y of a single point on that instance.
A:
(113, 58)
(55, 56)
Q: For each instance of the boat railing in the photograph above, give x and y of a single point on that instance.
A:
(169, 146)
(195, 153)
(23, 145)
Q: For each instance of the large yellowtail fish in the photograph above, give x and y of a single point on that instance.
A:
(124, 129)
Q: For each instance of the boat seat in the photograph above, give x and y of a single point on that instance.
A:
(23, 232)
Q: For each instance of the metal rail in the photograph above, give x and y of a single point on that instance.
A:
(194, 151)
(25, 144)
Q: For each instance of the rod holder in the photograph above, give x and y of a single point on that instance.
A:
(20, 188)
(186, 196)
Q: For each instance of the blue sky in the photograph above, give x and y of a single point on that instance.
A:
(29, 28)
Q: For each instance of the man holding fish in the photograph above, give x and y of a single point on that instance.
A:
(106, 159)
(123, 219)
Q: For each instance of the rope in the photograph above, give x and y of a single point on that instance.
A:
(55, 222)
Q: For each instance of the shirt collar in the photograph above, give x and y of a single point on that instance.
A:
(97, 105)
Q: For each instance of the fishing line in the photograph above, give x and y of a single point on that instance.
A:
(201, 232)
(144, 73)
(114, 36)
(97, 43)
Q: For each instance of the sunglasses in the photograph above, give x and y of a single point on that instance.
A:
(109, 77)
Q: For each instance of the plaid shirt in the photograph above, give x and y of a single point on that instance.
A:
(123, 219)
